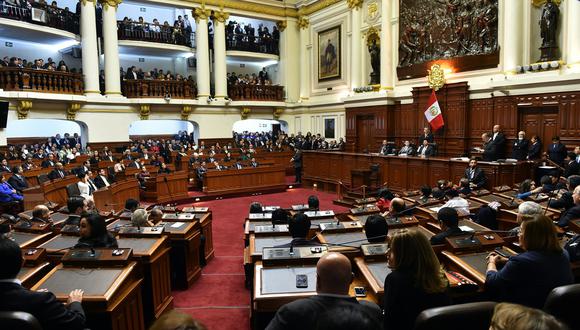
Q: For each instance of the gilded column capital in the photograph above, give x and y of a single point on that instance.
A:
(221, 16)
(110, 3)
(186, 110)
(201, 13)
(278, 112)
(282, 25)
(244, 112)
(303, 22)
(84, 2)
(354, 4)
(144, 111)
(23, 108)
(72, 109)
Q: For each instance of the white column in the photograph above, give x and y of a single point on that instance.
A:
(90, 61)
(512, 47)
(387, 73)
(219, 56)
(289, 43)
(355, 61)
(572, 48)
(111, 47)
(202, 53)
(305, 75)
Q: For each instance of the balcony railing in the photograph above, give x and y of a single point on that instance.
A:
(249, 43)
(42, 15)
(155, 33)
(256, 93)
(176, 89)
(32, 80)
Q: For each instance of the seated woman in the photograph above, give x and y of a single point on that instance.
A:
(518, 317)
(93, 231)
(119, 166)
(140, 218)
(84, 187)
(385, 196)
(7, 193)
(529, 277)
(417, 281)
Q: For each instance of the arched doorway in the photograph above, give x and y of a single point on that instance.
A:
(161, 129)
(34, 131)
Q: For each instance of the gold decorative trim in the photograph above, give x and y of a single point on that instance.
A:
(72, 109)
(186, 110)
(221, 16)
(539, 3)
(23, 108)
(372, 34)
(268, 9)
(303, 22)
(282, 25)
(144, 111)
(201, 13)
(354, 4)
(244, 112)
(110, 3)
(278, 112)
(436, 78)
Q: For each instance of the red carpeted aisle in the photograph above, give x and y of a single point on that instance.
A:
(219, 298)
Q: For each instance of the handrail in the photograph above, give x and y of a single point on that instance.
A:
(46, 15)
(155, 33)
(45, 81)
(251, 43)
(176, 89)
(256, 93)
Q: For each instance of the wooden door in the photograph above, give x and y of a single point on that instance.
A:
(365, 130)
(540, 121)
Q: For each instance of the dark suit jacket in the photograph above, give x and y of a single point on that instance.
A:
(572, 214)
(529, 277)
(429, 138)
(564, 202)
(535, 150)
(47, 163)
(499, 143)
(557, 152)
(51, 313)
(303, 314)
(428, 153)
(478, 179)
(520, 149)
(403, 301)
(134, 165)
(99, 182)
(18, 183)
(54, 174)
(490, 152)
(573, 168)
(297, 159)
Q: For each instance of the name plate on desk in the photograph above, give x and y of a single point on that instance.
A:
(301, 207)
(96, 258)
(366, 200)
(319, 214)
(271, 229)
(32, 226)
(254, 216)
(270, 208)
(195, 209)
(178, 217)
(302, 254)
(365, 209)
(131, 231)
(375, 250)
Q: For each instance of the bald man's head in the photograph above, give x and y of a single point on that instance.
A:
(155, 215)
(333, 274)
(41, 212)
(397, 205)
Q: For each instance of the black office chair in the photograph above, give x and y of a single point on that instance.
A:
(562, 302)
(19, 320)
(72, 189)
(375, 177)
(42, 178)
(472, 316)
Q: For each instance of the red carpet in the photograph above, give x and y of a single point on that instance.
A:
(219, 299)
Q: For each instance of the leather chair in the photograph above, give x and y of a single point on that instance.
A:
(73, 190)
(472, 316)
(19, 320)
(562, 302)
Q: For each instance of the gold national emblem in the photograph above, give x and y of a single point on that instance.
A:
(433, 111)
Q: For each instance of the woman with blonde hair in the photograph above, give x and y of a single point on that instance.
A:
(517, 317)
(416, 282)
(140, 218)
(529, 277)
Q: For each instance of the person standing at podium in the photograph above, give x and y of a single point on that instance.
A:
(297, 160)
(427, 135)
(520, 147)
(94, 234)
(557, 151)
(50, 313)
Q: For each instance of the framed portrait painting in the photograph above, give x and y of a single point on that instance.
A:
(329, 51)
(329, 128)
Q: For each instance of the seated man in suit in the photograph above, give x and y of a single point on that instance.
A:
(520, 147)
(155, 216)
(407, 149)
(425, 150)
(376, 229)
(572, 164)
(50, 162)
(238, 166)
(333, 279)
(102, 179)
(574, 212)
(449, 221)
(76, 206)
(4, 166)
(475, 175)
(50, 313)
(217, 166)
(41, 213)
(254, 163)
(58, 172)
(136, 163)
(17, 180)
(565, 200)
(386, 148)
(299, 226)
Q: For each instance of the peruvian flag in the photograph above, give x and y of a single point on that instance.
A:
(433, 113)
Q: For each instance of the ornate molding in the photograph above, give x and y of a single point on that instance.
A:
(244, 112)
(278, 112)
(372, 34)
(282, 25)
(71, 110)
(303, 22)
(268, 9)
(354, 4)
(436, 78)
(186, 110)
(84, 2)
(144, 111)
(110, 3)
(221, 16)
(201, 13)
(23, 108)
(539, 3)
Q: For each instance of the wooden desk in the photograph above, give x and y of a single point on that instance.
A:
(152, 256)
(399, 222)
(57, 246)
(245, 180)
(257, 244)
(114, 196)
(52, 191)
(403, 173)
(29, 239)
(166, 187)
(112, 298)
(473, 265)
(206, 223)
(185, 242)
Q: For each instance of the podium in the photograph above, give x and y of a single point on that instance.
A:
(115, 195)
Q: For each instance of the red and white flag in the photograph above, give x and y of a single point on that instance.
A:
(433, 113)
